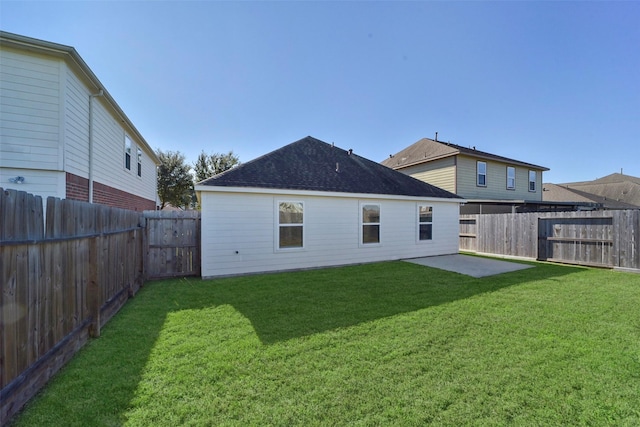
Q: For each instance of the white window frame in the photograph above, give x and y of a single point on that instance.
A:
(363, 224)
(128, 149)
(139, 157)
(278, 225)
(511, 186)
(419, 223)
(534, 181)
(478, 174)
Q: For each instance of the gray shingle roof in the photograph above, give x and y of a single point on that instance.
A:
(562, 193)
(313, 165)
(615, 187)
(427, 150)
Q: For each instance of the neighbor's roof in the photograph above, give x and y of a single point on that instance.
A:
(313, 165)
(427, 150)
(69, 54)
(562, 193)
(615, 187)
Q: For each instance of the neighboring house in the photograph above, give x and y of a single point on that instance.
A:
(310, 204)
(490, 183)
(615, 191)
(63, 135)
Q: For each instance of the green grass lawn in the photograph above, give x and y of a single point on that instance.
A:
(382, 344)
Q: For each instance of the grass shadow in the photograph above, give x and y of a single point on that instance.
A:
(291, 305)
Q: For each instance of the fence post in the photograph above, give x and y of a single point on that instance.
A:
(93, 289)
(144, 224)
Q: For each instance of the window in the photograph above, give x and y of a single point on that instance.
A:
(532, 180)
(139, 162)
(482, 174)
(370, 224)
(511, 178)
(425, 223)
(127, 152)
(290, 225)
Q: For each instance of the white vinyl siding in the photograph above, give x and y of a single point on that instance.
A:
(44, 183)
(108, 144)
(76, 126)
(30, 130)
(238, 232)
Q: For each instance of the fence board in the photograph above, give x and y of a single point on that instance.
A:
(599, 238)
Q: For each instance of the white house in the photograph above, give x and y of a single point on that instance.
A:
(311, 204)
(63, 135)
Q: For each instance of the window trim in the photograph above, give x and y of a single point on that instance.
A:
(534, 182)
(128, 149)
(276, 241)
(478, 174)
(513, 187)
(139, 156)
(362, 224)
(419, 223)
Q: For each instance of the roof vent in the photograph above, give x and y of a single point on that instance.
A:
(337, 167)
(350, 151)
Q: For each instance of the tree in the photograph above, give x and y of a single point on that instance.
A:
(209, 165)
(175, 183)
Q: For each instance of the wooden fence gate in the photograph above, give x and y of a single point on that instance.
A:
(583, 240)
(172, 244)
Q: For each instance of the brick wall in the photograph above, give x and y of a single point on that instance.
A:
(78, 189)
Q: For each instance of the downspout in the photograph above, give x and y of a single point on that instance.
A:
(95, 95)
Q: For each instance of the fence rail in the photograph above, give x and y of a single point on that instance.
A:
(600, 238)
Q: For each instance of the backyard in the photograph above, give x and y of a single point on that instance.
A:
(381, 344)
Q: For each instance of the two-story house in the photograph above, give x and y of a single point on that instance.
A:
(63, 135)
(489, 183)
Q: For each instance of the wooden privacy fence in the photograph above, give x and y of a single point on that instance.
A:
(172, 243)
(597, 238)
(60, 281)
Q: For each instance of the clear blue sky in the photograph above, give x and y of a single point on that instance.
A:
(551, 83)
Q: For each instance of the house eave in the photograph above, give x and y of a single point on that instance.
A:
(278, 191)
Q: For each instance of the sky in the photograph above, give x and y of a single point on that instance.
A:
(556, 84)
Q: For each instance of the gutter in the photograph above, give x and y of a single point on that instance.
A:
(91, 97)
